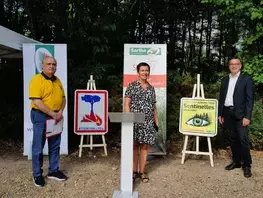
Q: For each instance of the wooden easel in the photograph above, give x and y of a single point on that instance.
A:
(91, 86)
(196, 94)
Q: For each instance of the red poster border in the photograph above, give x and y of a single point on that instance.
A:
(77, 92)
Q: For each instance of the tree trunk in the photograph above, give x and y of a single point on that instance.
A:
(3, 20)
(208, 34)
(200, 44)
(190, 44)
(30, 16)
(184, 40)
(220, 44)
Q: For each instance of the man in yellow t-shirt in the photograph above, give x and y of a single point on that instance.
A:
(48, 101)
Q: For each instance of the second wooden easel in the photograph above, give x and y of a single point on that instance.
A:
(196, 95)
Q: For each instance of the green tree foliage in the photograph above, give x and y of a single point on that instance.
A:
(248, 16)
(256, 130)
(200, 36)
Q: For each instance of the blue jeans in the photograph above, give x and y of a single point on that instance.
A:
(39, 121)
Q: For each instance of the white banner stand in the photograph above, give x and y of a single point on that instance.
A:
(127, 120)
(91, 86)
(32, 64)
(196, 94)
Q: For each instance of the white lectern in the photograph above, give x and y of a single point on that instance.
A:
(127, 120)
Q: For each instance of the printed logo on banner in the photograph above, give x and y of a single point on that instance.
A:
(145, 51)
(41, 51)
(91, 111)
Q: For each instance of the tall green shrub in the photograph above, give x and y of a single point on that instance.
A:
(256, 127)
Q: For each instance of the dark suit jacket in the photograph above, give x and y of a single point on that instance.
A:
(243, 96)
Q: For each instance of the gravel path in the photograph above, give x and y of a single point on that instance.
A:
(96, 176)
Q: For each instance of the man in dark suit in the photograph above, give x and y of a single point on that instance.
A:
(234, 112)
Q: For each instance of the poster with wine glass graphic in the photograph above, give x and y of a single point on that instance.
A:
(90, 111)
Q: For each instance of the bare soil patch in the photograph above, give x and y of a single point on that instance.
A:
(94, 176)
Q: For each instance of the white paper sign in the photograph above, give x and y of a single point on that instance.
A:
(53, 128)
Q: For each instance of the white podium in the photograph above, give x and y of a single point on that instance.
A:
(127, 120)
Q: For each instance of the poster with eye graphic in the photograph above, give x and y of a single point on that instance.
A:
(198, 117)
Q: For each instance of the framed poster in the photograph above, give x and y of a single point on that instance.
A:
(91, 111)
(198, 117)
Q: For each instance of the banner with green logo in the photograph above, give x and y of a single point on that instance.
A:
(41, 51)
(33, 56)
(155, 56)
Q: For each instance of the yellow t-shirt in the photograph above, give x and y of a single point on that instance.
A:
(49, 90)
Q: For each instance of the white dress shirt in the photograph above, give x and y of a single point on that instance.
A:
(230, 90)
